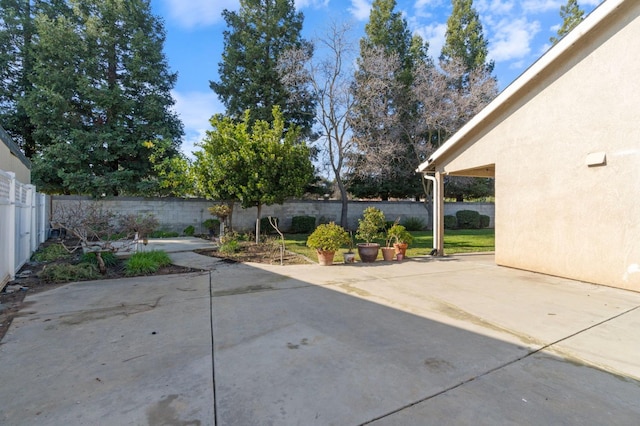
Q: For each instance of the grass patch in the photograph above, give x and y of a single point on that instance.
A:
(108, 257)
(455, 241)
(51, 253)
(65, 272)
(145, 263)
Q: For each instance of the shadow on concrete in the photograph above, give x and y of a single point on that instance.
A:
(291, 352)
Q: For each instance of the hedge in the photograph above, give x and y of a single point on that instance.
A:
(450, 222)
(468, 219)
(303, 224)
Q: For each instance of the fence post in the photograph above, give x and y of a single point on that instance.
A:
(31, 201)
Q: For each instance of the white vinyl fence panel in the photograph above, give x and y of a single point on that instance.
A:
(23, 224)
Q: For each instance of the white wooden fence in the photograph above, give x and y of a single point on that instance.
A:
(23, 224)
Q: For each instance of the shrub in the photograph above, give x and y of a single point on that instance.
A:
(109, 258)
(51, 253)
(468, 219)
(189, 231)
(211, 224)
(485, 221)
(413, 224)
(65, 272)
(265, 226)
(450, 222)
(229, 247)
(328, 237)
(143, 263)
(303, 224)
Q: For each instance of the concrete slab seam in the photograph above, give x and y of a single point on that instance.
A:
(500, 367)
(213, 359)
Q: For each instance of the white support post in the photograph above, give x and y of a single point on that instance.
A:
(438, 214)
(11, 237)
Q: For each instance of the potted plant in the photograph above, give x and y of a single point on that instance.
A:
(401, 237)
(388, 252)
(327, 238)
(369, 229)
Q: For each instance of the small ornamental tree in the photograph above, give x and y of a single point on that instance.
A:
(258, 165)
(370, 227)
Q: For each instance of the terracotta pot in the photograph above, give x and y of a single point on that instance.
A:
(388, 253)
(325, 258)
(399, 257)
(368, 252)
(401, 248)
(349, 257)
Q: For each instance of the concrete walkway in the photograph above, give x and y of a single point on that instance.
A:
(452, 341)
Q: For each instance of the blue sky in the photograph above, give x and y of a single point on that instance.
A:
(518, 32)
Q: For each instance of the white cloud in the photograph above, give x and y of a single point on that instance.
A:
(312, 4)
(435, 35)
(195, 109)
(499, 7)
(537, 6)
(512, 39)
(196, 13)
(360, 9)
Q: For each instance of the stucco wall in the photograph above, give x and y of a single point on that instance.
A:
(11, 163)
(175, 214)
(554, 213)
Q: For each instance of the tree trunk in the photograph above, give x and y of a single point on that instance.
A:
(345, 203)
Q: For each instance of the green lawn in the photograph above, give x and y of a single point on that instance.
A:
(455, 241)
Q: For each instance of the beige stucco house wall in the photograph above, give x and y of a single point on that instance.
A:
(563, 142)
(13, 160)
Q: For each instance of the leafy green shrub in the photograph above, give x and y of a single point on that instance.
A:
(328, 237)
(148, 262)
(450, 222)
(65, 272)
(51, 253)
(108, 257)
(265, 226)
(303, 224)
(398, 234)
(468, 219)
(485, 221)
(189, 231)
(229, 247)
(164, 234)
(413, 224)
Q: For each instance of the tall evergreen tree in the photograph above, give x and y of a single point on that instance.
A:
(16, 65)
(464, 38)
(101, 93)
(571, 15)
(388, 58)
(258, 34)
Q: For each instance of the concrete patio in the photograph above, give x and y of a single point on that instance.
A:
(450, 341)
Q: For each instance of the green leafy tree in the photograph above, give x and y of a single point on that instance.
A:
(101, 87)
(256, 165)
(571, 15)
(259, 33)
(385, 109)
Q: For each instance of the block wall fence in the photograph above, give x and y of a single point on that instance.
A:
(175, 214)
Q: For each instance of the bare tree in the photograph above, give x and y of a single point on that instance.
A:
(330, 79)
(99, 230)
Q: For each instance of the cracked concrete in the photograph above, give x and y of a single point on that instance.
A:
(458, 341)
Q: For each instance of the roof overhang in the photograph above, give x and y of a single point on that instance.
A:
(516, 88)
